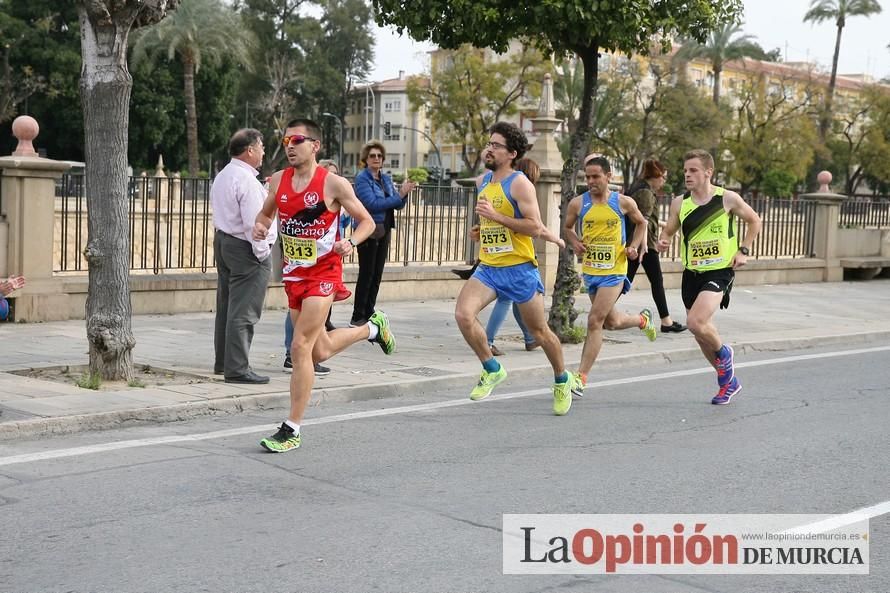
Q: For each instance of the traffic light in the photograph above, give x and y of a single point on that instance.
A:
(387, 127)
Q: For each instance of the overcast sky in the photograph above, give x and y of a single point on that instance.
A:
(774, 23)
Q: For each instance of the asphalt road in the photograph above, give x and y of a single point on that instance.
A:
(407, 494)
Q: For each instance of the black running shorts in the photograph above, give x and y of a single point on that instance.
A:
(710, 281)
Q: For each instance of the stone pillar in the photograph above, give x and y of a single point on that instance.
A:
(28, 211)
(546, 153)
(825, 225)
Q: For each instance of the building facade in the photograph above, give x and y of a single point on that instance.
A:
(369, 108)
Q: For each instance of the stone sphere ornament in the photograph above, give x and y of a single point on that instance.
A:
(25, 129)
(824, 179)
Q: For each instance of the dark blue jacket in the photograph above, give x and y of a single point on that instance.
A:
(378, 200)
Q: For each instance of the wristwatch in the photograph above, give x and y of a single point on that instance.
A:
(744, 250)
(352, 242)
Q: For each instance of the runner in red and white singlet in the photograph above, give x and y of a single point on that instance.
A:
(307, 201)
(308, 232)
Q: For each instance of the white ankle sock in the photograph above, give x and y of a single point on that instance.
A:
(294, 425)
(373, 330)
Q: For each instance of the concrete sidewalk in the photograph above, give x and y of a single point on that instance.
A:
(431, 354)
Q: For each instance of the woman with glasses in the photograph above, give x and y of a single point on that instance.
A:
(643, 192)
(376, 191)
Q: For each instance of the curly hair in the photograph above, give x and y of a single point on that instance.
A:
(515, 137)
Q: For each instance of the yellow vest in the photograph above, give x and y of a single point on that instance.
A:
(710, 234)
(601, 227)
(500, 246)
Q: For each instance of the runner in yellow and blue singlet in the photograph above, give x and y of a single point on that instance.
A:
(509, 218)
(594, 228)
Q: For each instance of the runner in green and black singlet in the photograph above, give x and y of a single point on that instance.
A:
(712, 250)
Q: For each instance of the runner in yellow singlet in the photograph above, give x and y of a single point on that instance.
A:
(509, 219)
(594, 226)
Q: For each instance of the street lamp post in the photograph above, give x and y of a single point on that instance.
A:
(340, 143)
(433, 142)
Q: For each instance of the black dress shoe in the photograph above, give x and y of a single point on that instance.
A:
(249, 378)
(463, 274)
(218, 371)
(675, 327)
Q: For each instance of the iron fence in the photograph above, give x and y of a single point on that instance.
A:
(865, 212)
(788, 228)
(171, 225)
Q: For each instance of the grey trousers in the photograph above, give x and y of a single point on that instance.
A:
(240, 292)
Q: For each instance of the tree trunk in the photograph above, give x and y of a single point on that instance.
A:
(716, 95)
(105, 85)
(191, 114)
(465, 157)
(825, 122)
(562, 310)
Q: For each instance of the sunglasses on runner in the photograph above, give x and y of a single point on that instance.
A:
(296, 140)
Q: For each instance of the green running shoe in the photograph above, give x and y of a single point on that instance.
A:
(384, 337)
(562, 395)
(282, 441)
(649, 328)
(487, 383)
(579, 384)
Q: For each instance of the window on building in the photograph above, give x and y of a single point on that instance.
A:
(394, 162)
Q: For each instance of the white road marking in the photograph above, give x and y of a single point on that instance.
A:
(218, 434)
(832, 523)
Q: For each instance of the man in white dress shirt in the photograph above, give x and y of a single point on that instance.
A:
(243, 265)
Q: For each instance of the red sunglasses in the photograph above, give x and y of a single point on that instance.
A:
(296, 140)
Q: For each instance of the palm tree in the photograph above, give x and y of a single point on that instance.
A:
(838, 11)
(721, 48)
(198, 31)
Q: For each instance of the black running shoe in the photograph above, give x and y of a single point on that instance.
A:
(282, 441)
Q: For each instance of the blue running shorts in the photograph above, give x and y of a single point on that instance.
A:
(517, 283)
(592, 283)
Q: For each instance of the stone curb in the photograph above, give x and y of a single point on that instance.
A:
(278, 400)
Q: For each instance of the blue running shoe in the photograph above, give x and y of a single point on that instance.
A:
(726, 392)
(725, 372)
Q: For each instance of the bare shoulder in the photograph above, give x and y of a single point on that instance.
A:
(522, 185)
(336, 186)
(732, 199)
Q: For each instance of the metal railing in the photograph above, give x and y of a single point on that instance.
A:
(171, 226)
(788, 228)
(865, 212)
